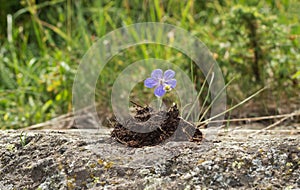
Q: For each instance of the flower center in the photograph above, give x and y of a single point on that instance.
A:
(167, 88)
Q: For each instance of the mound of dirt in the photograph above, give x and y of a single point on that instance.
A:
(149, 128)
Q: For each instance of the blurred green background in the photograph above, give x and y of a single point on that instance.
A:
(42, 42)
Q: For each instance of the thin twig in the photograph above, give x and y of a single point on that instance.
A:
(136, 104)
(250, 131)
(278, 122)
(235, 106)
(60, 119)
(250, 119)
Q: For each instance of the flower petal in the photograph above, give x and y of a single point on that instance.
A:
(150, 82)
(159, 91)
(157, 74)
(169, 74)
(171, 83)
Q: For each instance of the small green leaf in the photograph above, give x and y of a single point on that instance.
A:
(47, 105)
(296, 75)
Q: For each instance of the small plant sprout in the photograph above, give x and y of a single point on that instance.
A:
(23, 139)
(162, 81)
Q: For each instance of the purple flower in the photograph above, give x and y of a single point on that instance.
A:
(162, 81)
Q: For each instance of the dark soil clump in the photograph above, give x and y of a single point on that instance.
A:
(148, 128)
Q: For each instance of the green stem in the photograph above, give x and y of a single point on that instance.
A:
(159, 103)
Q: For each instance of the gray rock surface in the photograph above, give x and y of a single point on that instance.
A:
(73, 159)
